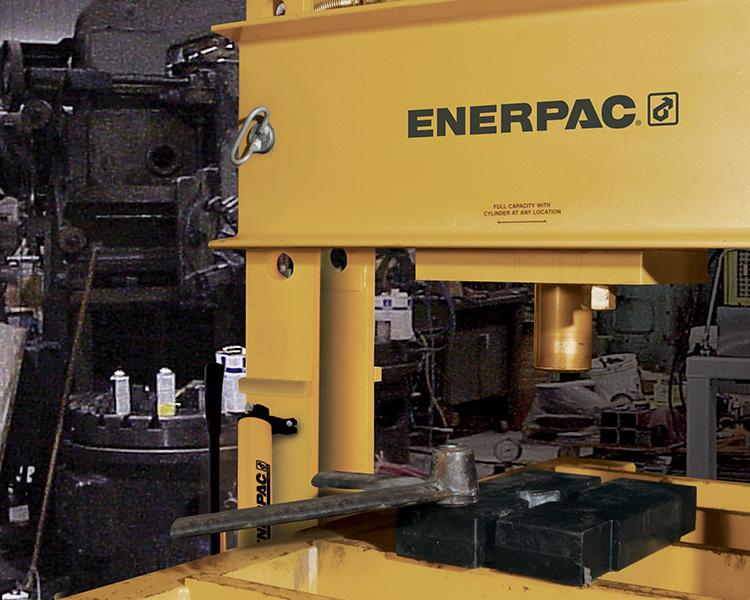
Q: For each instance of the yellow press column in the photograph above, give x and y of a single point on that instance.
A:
(254, 473)
(283, 339)
(347, 402)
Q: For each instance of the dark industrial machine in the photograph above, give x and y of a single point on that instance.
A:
(160, 461)
(116, 139)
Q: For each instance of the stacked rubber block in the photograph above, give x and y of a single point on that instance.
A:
(562, 528)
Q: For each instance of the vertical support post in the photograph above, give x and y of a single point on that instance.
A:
(347, 321)
(283, 339)
(701, 426)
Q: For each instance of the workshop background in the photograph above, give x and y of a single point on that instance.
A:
(116, 122)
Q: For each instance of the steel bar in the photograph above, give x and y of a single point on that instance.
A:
(344, 480)
(303, 510)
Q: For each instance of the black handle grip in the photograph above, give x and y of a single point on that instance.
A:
(214, 381)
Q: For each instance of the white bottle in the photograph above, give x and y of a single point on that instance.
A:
(394, 316)
(166, 399)
(121, 391)
(383, 318)
(235, 364)
(401, 316)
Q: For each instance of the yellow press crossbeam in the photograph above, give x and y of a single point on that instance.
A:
(344, 171)
(604, 267)
(354, 560)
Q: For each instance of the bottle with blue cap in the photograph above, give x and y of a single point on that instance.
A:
(234, 360)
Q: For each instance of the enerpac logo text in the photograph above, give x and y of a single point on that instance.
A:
(263, 495)
(616, 112)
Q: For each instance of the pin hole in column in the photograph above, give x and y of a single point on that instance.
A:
(339, 259)
(284, 266)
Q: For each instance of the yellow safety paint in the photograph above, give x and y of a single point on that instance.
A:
(345, 172)
(254, 473)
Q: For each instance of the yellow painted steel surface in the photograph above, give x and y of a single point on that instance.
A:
(254, 473)
(347, 356)
(311, 337)
(354, 559)
(345, 173)
(283, 339)
(609, 267)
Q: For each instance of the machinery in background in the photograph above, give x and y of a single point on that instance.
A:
(650, 321)
(733, 317)
(118, 139)
(450, 356)
(718, 376)
(703, 411)
(101, 534)
(737, 278)
(154, 443)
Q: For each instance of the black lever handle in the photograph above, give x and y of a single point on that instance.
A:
(452, 481)
(214, 381)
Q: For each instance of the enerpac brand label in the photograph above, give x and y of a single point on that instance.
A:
(263, 496)
(619, 111)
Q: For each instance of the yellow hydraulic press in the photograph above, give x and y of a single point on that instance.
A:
(574, 144)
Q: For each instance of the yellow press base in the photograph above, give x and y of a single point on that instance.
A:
(354, 559)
